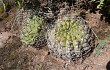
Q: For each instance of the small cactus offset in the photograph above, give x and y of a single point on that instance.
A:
(32, 30)
(70, 38)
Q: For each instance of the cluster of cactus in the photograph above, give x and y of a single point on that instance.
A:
(70, 38)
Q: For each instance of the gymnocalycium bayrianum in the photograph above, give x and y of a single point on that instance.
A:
(31, 30)
(70, 38)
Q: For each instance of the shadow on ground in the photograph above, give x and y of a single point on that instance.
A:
(108, 66)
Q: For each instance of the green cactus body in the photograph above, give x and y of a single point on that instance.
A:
(31, 29)
(66, 30)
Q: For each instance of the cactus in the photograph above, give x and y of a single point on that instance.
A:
(32, 29)
(70, 38)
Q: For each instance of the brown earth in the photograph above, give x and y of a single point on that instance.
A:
(14, 56)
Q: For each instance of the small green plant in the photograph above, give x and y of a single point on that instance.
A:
(5, 4)
(101, 45)
(2, 6)
(31, 29)
(19, 3)
(101, 4)
(104, 5)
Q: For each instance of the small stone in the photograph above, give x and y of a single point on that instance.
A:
(86, 48)
(85, 45)
(84, 40)
(88, 31)
(86, 27)
(87, 36)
